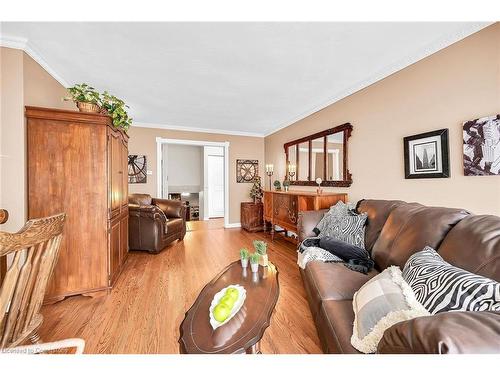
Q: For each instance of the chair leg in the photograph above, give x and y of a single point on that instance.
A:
(35, 338)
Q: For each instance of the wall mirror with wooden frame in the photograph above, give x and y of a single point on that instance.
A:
(321, 155)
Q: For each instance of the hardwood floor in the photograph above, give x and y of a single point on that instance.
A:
(205, 224)
(143, 312)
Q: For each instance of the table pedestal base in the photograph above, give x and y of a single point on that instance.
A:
(254, 349)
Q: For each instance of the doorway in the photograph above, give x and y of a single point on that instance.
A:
(214, 187)
(211, 191)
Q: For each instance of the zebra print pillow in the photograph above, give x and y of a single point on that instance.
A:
(335, 213)
(349, 229)
(343, 224)
(439, 286)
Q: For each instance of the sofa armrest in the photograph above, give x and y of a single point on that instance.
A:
(445, 333)
(171, 207)
(147, 227)
(307, 221)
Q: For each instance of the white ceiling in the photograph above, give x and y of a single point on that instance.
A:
(248, 78)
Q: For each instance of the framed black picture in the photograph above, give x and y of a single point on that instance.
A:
(246, 170)
(427, 155)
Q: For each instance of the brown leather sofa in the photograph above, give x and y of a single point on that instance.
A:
(154, 223)
(395, 230)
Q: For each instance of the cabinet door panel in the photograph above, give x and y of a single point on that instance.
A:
(123, 238)
(285, 209)
(124, 174)
(114, 168)
(268, 205)
(66, 170)
(114, 251)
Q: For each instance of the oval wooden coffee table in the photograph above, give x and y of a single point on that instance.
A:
(243, 332)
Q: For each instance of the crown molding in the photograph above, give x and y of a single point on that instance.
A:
(141, 124)
(24, 45)
(430, 49)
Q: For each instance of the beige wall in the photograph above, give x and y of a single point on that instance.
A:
(23, 82)
(12, 159)
(459, 83)
(143, 141)
(41, 89)
(178, 175)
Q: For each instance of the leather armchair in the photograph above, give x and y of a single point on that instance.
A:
(155, 223)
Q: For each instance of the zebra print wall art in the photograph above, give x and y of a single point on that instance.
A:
(482, 146)
(440, 287)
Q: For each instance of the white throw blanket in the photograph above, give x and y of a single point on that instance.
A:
(315, 253)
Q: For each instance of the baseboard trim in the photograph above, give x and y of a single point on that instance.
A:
(232, 225)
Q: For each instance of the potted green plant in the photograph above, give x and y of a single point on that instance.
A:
(254, 262)
(286, 185)
(261, 249)
(244, 257)
(116, 108)
(87, 99)
(277, 185)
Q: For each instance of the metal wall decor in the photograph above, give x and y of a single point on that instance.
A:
(246, 170)
(137, 169)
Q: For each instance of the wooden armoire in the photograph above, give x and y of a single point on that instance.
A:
(77, 164)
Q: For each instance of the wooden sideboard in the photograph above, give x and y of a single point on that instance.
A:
(77, 164)
(282, 208)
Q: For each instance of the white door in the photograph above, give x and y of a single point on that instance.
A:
(215, 174)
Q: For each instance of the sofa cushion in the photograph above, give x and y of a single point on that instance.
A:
(332, 281)
(334, 324)
(409, 228)
(455, 332)
(474, 245)
(378, 211)
(140, 199)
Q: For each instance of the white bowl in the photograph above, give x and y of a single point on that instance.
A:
(242, 294)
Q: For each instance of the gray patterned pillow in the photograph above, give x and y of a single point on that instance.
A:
(335, 213)
(349, 229)
(342, 224)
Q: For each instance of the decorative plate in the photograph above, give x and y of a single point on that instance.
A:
(242, 294)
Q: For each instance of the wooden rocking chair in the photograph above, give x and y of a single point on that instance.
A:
(34, 250)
